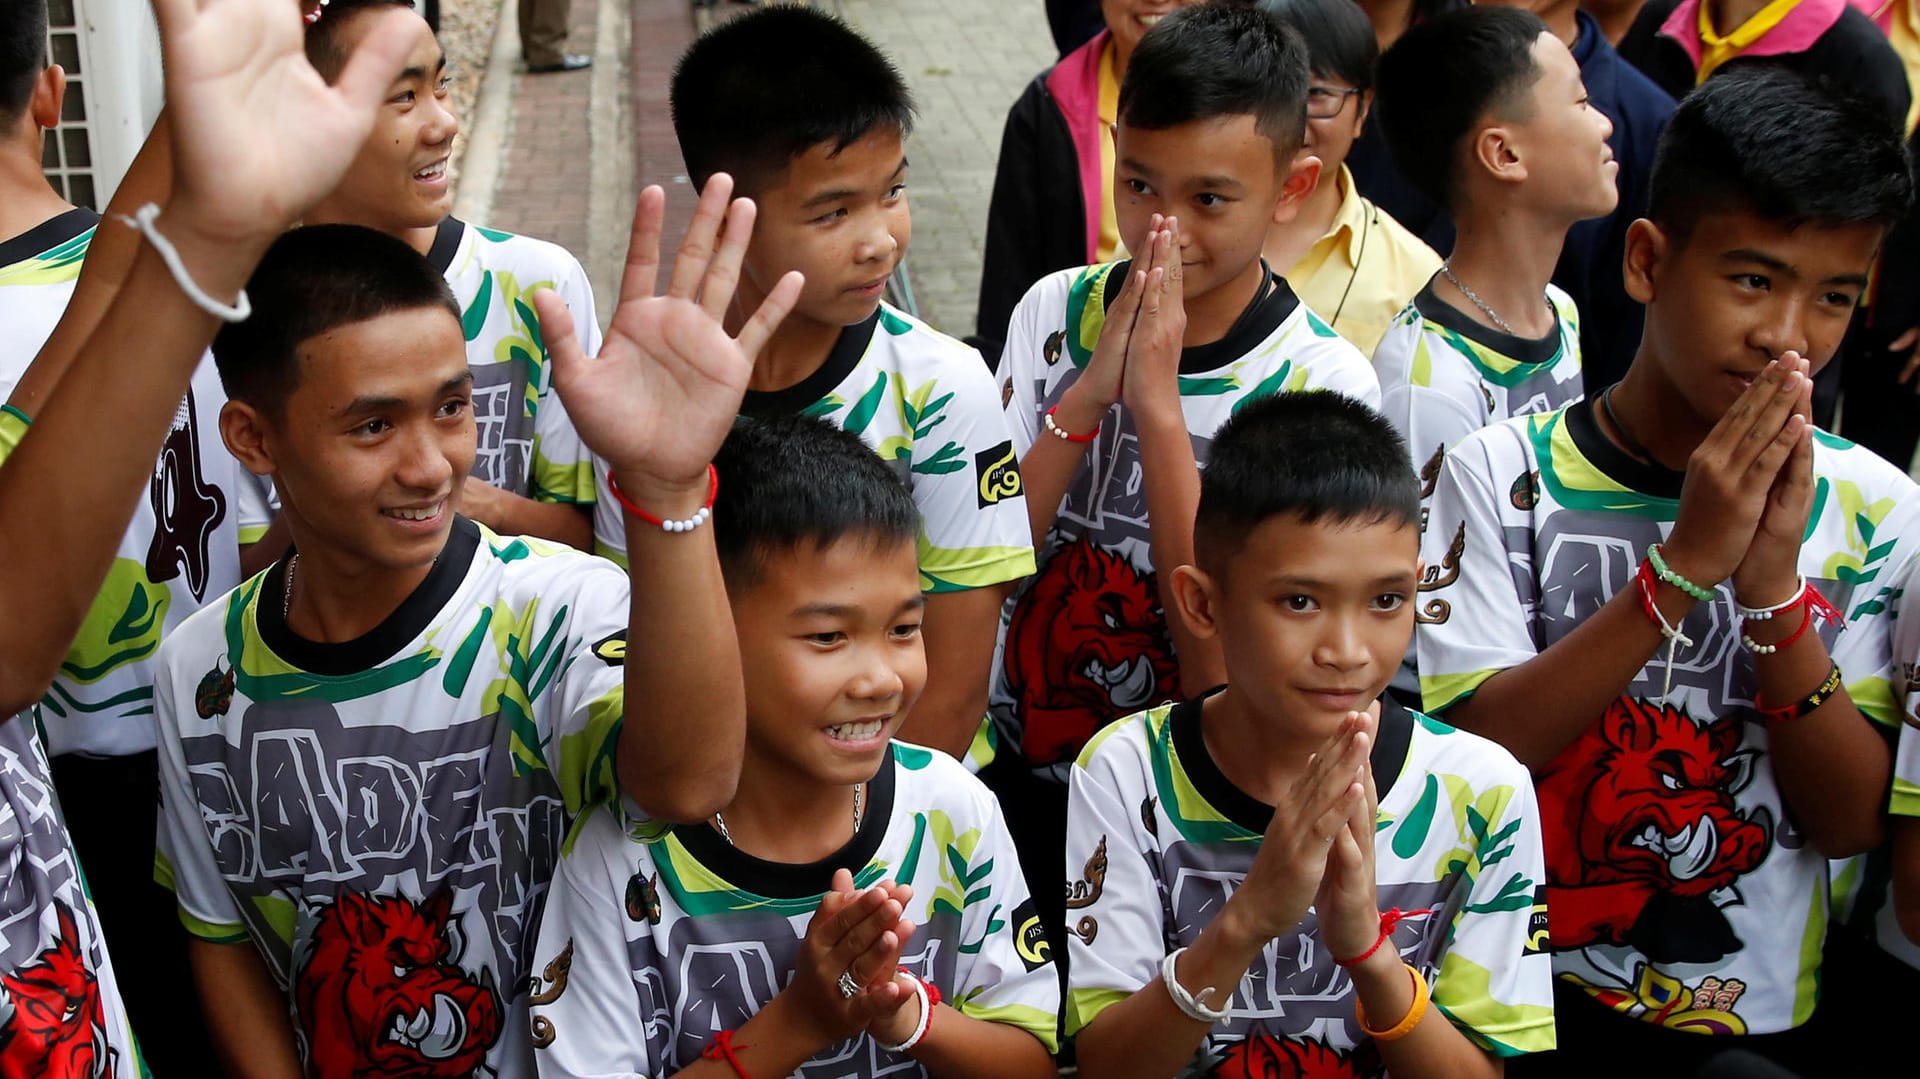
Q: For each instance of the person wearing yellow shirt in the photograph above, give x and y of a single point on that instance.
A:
(1349, 261)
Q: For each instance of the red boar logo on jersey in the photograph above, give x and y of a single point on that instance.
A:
(1641, 830)
(1264, 1057)
(52, 1024)
(382, 994)
(1086, 647)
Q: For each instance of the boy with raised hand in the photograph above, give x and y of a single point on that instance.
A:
(1268, 888)
(1117, 377)
(740, 945)
(372, 751)
(1701, 741)
(259, 137)
(811, 119)
(1486, 110)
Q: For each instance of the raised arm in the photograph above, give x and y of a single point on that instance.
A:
(257, 137)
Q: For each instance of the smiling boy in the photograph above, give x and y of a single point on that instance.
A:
(812, 120)
(1632, 594)
(1118, 375)
(736, 930)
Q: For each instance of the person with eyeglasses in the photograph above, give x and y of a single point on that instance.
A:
(1350, 261)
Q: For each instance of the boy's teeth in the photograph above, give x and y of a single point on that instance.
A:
(432, 172)
(415, 515)
(854, 732)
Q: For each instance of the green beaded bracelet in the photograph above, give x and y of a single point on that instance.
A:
(1660, 570)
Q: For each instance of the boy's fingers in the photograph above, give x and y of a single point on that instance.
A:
(1764, 437)
(1739, 418)
(1768, 464)
(376, 62)
(696, 249)
(1176, 274)
(723, 273)
(642, 275)
(563, 345)
(773, 311)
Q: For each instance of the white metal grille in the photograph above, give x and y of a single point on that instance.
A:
(67, 156)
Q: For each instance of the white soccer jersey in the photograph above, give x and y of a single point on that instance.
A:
(655, 941)
(1158, 839)
(38, 271)
(1538, 521)
(928, 406)
(382, 816)
(527, 444)
(1444, 376)
(1084, 642)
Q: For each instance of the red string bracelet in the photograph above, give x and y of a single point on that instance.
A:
(1061, 432)
(686, 525)
(722, 1049)
(1389, 921)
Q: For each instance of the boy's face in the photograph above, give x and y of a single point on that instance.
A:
(840, 219)
(377, 438)
(399, 180)
(830, 644)
(1562, 141)
(1739, 292)
(1220, 178)
(1129, 20)
(1313, 619)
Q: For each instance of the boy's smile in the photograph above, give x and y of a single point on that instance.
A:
(830, 645)
(839, 218)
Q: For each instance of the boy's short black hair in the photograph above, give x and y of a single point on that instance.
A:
(1340, 41)
(1317, 455)
(23, 54)
(1215, 60)
(325, 49)
(312, 280)
(1443, 76)
(751, 95)
(1762, 139)
(794, 481)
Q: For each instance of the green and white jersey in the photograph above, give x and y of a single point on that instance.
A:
(1158, 839)
(1680, 888)
(928, 406)
(654, 941)
(181, 549)
(1444, 376)
(1084, 642)
(527, 444)
(381, 817)
(38, 270)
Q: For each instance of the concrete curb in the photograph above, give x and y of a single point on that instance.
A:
(612, 183)
(488, 137)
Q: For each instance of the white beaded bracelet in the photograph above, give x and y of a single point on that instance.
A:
(1761, 614)
(1189, 1003)
(926, 1019)
(142, 220)
(1757, 648)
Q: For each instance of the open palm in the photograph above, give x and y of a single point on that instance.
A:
(258, 135)
(663, 393)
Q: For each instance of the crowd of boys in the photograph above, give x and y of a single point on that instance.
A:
(1239, 673)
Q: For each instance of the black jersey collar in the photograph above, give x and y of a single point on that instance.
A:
(1262, 316)
(380, 643)
(1648, 478)
(446, 244)
(47, 235)
(1530, 351)
(1388, 757)
(840, 362)
(787, 880)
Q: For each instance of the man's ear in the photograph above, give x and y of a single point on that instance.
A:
(1648, 248)
(1496, 151)
(1303, 175)
(244, 430)
(49, 97)
(1194, 594)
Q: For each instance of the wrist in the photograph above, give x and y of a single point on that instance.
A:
(784, 1022)
(1765, 590)
(1381, 971)
(666, 498)
(898, 1025)
(1081, 410)
(1235, 934)
(207, 242)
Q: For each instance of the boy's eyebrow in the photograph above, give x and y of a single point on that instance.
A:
(843, 610)
(1745, 254)
(413, 74)
(1213, 183)
(841, 194)
(1295, 581)
(375, 403)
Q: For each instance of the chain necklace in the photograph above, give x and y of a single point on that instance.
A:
(1633, 445)
(859, 814)
(1447, 269)
(286, 594)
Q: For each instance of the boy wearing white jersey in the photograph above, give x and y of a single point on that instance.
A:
(1640, 596)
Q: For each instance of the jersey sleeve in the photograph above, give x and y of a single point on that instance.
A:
(183, 857)
(1017, 357)
(589, 1022)
(1473, 621)
(1124, 920)
(1496, 978)
(965, 473)
(562, 468)
(589, 690)
(1425, 397)
(609, 523)
(1344, 371)
(1008, 978)
(255, 503)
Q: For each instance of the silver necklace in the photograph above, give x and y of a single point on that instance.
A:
(859, 791)
(1447, 269)
(286, 594)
